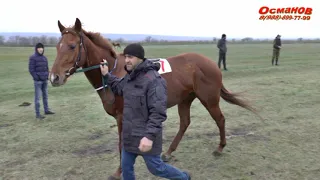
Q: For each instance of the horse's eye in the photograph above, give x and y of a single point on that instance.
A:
(72, 46)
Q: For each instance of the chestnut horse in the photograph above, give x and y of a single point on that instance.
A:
(192, 76)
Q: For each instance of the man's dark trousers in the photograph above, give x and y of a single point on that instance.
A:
(41, 88)
(222, 57)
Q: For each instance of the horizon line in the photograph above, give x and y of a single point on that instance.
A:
(146, 34)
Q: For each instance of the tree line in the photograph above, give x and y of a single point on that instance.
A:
(28, 41)
(23, 41)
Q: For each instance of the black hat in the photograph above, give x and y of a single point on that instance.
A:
(39, 45)
(134, 49)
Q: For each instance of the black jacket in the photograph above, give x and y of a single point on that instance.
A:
(38, 66)
(276, 43)
(222, 45)
(145, 104)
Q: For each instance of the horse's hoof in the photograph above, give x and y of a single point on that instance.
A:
(217, 153)
(166, 158)
(114, 178)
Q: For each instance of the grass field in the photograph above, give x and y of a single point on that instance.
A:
(80, 140)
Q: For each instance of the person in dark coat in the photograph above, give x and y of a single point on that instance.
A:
(222, 46)
(276, 49)
(145, 108)
(38, 68)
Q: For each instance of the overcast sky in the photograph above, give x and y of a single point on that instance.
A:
(165, 17)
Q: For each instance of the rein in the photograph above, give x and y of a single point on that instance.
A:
(104, 86)
(76, 66)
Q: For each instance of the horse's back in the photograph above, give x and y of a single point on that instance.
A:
(193, 65)
(192, 59)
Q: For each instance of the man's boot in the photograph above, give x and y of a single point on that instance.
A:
(49, 112)
(40, 117)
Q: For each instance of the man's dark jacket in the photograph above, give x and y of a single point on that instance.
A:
(276, 43)
(38, 66)
(145, 104)
(222, 45)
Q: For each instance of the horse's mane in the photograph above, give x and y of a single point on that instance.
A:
(100, 41)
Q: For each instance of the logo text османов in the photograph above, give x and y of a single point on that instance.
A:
(285, 13)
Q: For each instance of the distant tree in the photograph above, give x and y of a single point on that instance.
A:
(24, 41)
(43, 39)
(12, 40)
(120, 40)
(2, 40)
(247, 39)
(53, 40)
(35, 40)
(148, 39)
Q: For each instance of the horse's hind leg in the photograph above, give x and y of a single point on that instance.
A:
(209, 96)
(217, 115)
(184, 113)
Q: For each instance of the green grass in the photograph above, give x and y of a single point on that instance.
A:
(80, 140)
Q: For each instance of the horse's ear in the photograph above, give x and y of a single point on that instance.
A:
(77, 25)
(61, 27)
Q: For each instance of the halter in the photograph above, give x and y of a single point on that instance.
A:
(76, 63)
(74, 68)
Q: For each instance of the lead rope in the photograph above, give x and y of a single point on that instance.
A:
(104, 86)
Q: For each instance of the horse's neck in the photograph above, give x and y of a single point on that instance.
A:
(95, 56)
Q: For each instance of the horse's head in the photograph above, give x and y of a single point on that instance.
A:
(71, 53)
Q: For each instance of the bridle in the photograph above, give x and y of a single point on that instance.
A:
(77, 61)
(74, 68)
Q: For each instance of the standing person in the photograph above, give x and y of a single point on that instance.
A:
(38, 68)
(222, 45)
(145, 108)
(276, 49)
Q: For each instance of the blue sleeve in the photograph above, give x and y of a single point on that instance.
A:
(157, 107)
(115, 83)
(47, 64)
(32, 68)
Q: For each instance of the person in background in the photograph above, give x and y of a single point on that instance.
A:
(38, 68)
(222, 46)
(145, 108)
(276, 49)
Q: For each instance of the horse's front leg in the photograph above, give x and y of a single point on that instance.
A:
(117, 174)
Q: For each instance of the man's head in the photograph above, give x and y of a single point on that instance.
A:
(39, 48)
(223, 36)
(134, 54)
(278, 36)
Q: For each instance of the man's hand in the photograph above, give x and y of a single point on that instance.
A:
(104, 68)
(145, 144)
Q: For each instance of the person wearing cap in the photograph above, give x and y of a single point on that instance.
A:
(144, 93)
(222, 46)
(38, 68)
(276, 49)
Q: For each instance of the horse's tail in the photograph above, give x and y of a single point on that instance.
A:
(233, 99)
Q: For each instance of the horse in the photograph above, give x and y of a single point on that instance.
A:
(188, 76)
(116, 44)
